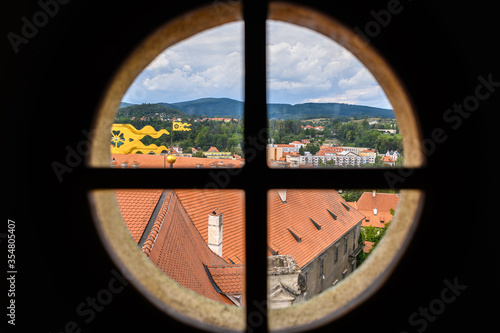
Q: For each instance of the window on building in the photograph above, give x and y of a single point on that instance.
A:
(322, 268)
(168, 296)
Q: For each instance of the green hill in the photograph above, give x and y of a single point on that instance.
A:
(226, 107)
(211, 107)
(319, 110)
(138, 110)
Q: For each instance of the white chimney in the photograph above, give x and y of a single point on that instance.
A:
(282, 194)
(215, 231)
(374, 211)
(374, 193)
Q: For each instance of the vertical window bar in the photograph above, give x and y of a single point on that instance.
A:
(255, 15)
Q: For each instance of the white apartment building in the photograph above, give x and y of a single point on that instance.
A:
(345, 158)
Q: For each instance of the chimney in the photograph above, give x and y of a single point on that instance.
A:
(282, 194)
(374, 193)
(374, 211)
(215, 232)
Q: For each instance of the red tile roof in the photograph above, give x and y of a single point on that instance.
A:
(368, 246)
(136, 207)
(383, 202)
(213, 150)
(301, 206)
(177, 243)
(386, 159)
(329, 150)
(145, 160)
(148, 244)
(230, 279)
(181, 253)
(231, 203)
(160, 161)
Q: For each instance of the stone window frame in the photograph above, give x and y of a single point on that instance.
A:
(195, 310)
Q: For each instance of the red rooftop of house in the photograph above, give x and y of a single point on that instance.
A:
(178, 233)
(376, 207)
(160, 161)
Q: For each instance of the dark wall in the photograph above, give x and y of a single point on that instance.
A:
(332, 271)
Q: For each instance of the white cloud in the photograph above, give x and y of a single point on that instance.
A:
(209, 64)
(303, 66)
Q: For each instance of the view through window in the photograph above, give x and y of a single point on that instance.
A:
(325, 110)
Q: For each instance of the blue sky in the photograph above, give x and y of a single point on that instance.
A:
(303, 66)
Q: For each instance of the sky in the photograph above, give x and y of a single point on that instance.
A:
(303, 66)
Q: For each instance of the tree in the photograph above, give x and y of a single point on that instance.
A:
(372, 234)
(301, 150)
(352, 195)
(313, 149)
(199, 153)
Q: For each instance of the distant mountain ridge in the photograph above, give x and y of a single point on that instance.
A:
(226, 107)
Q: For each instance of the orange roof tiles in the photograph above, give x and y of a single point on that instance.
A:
(145, 160)
(193, 162)
(213, 150)
(300, 206)
(148, 243)
(387, 159)
(230, 279)
(181, 253)
(199, 203)
(383, 202)
(160, 161)
(368, 246)
(177, 243)
(136, 207)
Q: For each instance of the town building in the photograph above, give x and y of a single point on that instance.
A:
(355, 150)
(387, 160)
(213, 152)
(317, 128)
(274, 153)
(376, 207)
(196, 237)
(182, 161)
(342, 158)
(394, 154)
(286, 148)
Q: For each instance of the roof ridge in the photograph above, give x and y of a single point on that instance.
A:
(151, 239)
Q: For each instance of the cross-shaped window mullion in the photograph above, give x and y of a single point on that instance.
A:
(255, 16)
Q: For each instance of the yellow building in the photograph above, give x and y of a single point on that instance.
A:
(368, 152)
(213, 152)
(274, 153)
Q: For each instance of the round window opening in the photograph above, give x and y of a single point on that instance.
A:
(194, 308)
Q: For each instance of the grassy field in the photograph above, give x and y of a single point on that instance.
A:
(393, 135)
